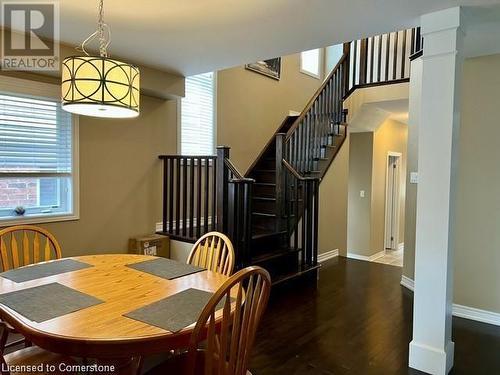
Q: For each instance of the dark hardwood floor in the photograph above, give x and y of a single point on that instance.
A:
(357, 321)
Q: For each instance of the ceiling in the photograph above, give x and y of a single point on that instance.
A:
(371, 115)
(195, 36)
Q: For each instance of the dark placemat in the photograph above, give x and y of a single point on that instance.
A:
(165, 268)
(176, 311)
(37, 271)
(48, 301)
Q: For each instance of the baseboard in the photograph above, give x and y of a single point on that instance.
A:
(407, 283)
(401, 246)
(323, 257)
(479, 315)
(370, 258)
(461, 311)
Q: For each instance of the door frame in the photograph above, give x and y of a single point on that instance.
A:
(399, 157)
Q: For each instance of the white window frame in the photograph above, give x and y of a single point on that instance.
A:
(52, 91)
(320, 64)
(214, 120)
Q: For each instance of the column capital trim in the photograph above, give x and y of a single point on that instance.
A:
(446, 19)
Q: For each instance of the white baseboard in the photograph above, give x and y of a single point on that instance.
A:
(401, 246)
(407, 283)
(370, 258)
(462, 311)
(328, 255)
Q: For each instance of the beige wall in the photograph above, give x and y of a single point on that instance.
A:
(333, 204)
(120, 177)
(368, 171)
(250, 106)
(359, 208)
(477, 240)
(390, 136)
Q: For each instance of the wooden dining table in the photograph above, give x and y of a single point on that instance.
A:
(101, 331)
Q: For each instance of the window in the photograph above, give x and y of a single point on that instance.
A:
(37, 171)
(310, 62)
(197, 116)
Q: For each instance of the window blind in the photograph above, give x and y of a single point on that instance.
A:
(35, 135)
(197, 116)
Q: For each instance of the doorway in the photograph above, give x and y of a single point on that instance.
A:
(392, 200)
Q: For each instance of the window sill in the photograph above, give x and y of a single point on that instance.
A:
(37, 219)
(310, 74)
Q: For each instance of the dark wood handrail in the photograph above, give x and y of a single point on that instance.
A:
(315, 97)
(296, 174)
(237, 176)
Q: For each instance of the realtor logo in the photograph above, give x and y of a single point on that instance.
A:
(30, 35)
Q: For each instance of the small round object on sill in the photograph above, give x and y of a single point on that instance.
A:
(19, 210)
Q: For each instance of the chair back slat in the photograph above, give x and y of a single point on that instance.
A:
(250, 290)
(213, 251)
(21, 239)
(26, 248)
(14, 251)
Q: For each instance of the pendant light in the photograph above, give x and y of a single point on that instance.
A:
(97, 85)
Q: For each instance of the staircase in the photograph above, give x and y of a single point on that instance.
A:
(271, 212)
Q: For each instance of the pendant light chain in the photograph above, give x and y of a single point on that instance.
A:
(100, 27)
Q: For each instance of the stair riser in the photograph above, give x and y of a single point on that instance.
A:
(264, 191)
(265, 176)
(268, 207)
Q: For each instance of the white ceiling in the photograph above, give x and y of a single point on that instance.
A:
(194, 36)
(371, 115)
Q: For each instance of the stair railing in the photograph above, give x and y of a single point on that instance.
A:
(235, 210)
(301, 214)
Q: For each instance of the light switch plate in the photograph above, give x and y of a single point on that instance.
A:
(413, 177)
(362, 193)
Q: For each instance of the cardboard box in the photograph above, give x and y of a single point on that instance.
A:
(153, 244)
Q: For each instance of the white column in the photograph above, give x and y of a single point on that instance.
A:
(431, 349)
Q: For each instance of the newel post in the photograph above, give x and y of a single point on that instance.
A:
(222, 176)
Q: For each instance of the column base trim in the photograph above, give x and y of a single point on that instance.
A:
(431, 360)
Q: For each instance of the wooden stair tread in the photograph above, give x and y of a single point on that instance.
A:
(270, 255)
(267, 233)
(263, 214)
(266, 199)
(264, 183)
(301, 270)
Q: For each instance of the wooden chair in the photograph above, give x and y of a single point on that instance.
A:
(213, 251)
(226, 351)
(22, 245)
(34, 356)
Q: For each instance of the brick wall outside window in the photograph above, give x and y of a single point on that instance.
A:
(18, 192)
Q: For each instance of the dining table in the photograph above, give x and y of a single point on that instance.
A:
(102, 331)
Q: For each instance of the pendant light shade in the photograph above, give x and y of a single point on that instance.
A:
(100, 86)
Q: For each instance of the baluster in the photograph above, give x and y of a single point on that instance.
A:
(316, 218)
(171, 195)
(198, 191)
(165, 195)
(355, 59)
(184, 195)
(296, 213)
(403, 55)
(206, 190)
(214, 192)
(372, 51)
(222, 185)
(304, 221)
(191, 200)
(395, 56)
(363, 61)
(387, 49)
(379, 64)
(178, 200)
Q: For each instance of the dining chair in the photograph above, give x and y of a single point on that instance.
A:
(35, 356)
(213, 251)
(221, 342)
(22, 245)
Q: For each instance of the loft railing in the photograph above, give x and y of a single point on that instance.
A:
(203, 194)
